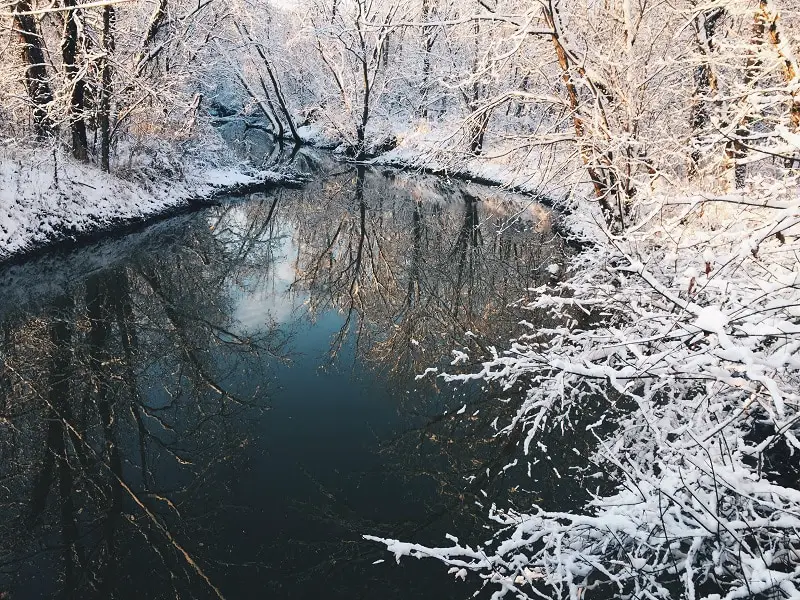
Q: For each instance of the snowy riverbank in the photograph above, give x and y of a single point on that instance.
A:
(48, 199)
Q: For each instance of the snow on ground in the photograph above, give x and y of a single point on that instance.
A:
(48, 198)
(317, 136)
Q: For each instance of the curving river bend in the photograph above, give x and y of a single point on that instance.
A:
(222, 404)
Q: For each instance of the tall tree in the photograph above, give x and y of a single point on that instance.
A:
(36, 79)
(71, 42)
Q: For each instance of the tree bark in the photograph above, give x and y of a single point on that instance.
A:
(789, 66)
(156, 20)
(361, 129)
(36, 81)
(427, 44)
(604, 187)
(704, 79)
(735, 149)
(69, 51)
(791, 70)
(481, 119)
(109, 19)
(276, 87)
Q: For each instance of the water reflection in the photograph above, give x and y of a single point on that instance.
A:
(414, 263)
(117, 409)
(138, 456)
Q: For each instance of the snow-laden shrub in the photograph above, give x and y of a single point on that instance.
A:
(693, 340)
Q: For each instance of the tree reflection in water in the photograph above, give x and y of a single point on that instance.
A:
(414, 262)
(120, 402)
(131, 390)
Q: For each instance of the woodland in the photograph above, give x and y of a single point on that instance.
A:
(665, 134)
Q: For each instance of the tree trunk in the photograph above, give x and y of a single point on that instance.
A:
(156, 20)
(705, 81)
(273, 114)
(478, 132)
(36, 82)
(361, 129)
(276, 87)
(604, 187)
(361, 143)
(479, 121)
(267, 108)
(427, 43)
(789, 66)
(736, 150)
(281, 99)
(109, 18)
(69, 51)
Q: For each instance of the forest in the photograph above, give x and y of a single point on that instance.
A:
(660, 140)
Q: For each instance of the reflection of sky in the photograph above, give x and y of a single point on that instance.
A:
(267, 298)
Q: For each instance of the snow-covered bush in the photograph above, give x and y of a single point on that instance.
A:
(688, 326)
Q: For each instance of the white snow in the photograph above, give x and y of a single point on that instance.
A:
(46, 199)
(711, 319)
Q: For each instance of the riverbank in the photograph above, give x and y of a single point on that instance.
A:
(48, 199)
(549, 178)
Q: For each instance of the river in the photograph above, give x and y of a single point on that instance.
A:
(222, 404)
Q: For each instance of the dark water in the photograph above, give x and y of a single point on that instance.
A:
(223, 404)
